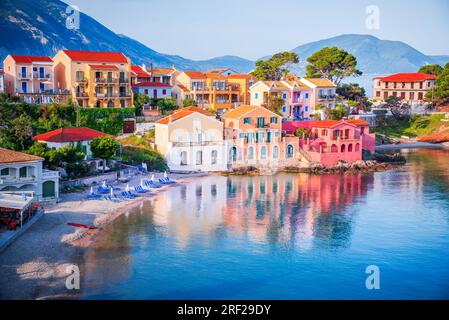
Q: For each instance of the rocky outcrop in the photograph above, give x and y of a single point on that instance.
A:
(342, 167)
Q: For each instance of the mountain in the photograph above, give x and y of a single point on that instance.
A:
(374, 56)
(38, 27)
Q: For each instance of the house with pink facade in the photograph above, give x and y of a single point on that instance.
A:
(331, 141)
(253, 136)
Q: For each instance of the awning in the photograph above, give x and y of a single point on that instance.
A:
(15, 201)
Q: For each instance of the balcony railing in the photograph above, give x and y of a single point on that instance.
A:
(100, 80)
(123, 80)
(45, 76)
(49, 174)
(326, 96)
(82, 95)
(124, 95)
(196, 144)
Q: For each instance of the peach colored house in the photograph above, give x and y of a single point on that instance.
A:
(254, 138)
(95, 79)
(32, 79)
(332, 141)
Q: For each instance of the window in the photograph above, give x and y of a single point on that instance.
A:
(276, 152)
(343, 147)
(42, 86)
(284, 96)
(289, 151)
(4, 172)
(250, 154)
(350, 147)
(412, 85)
(23, 172)
(247, 120)
(274, 120)
(306, 108)
(377, 93)
(79, 76)
(263, 152)
(145, 91)
(334, 148)
(164, 92)
(24, 87)
(283, 108)
(199, 157)
(256, 95)
(213, 156)
(24, 72)
(307, 96)
(357, 147)
(260, 122)
(183, 158)
(420, 95)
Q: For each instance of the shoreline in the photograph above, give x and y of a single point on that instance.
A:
(410, 145)
(35, 265)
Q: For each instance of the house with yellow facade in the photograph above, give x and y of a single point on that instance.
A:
(212, 91)
(191, 139)
(95, 79)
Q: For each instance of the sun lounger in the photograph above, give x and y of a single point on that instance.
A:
(103, 190)
(151, 184)
(139, 189)
(93, 196)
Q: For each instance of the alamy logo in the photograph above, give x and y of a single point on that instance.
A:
(372, 21)
(73, 280)
(373, 280)
(73, 17)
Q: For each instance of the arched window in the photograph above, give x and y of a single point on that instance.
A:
(290, 151)
(350, 147)
(183, 158)
(334, 148)
(357, 147)
(199, 157)
(250, 153)
(343, 148)
(276, 152)
(233, 154)
(263, 152)
(110, 104)
(213, 156)
(98, 104)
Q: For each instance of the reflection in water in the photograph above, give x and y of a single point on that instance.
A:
(259, 237)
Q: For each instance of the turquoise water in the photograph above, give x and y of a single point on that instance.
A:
(288, 236)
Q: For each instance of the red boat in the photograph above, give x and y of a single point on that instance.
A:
(79, 225)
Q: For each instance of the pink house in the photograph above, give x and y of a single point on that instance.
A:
(332, 141)
(253, 136)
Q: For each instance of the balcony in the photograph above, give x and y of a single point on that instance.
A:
(100, 80)
(45, 76)
(124, 80)
(49, 174)
(326, 96)
(111, 80)
(82, 95)
(125, 95)
(81, 81)
(197, 143)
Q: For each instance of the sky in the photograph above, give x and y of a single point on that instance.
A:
(202, 29)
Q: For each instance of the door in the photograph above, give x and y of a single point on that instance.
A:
(41, 72)
(24, 87)
(155, 93)
(48, 189)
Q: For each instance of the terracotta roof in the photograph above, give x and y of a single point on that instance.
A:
(299, 85)
(152, 84)
(357, 122)
(9, 156)
(321, 82)
(240, 111)
(407, 77)
(217, 70)
(175, 116)
(195, 74)
(182, 87)
(276, 84)
(215, 76)
(163, 71)
(96, 56)
(69, 135)
(30, 59)
(102, 66)
(241, 76)
(333, 123)
(138, 71)
(195, 109)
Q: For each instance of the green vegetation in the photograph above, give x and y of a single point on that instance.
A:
(434, 69)
(189, 102)
(415, 126)
(166, 105)
(337, 113)
(104, 148)
(108, 120)
(137, 150)
(332, 63)
(440, 94)
(276, 67)
(139, 101)
(302, 132)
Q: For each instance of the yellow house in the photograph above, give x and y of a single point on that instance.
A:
(95, 79)
(191, 139)
(244, 81)
(211, 91)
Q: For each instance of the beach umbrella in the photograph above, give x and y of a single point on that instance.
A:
(91, 190)
(152, 177)
(165, 174)
(127, 187)
(112, 192)
(104, 184)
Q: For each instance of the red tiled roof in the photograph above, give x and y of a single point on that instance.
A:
(175, 116)
(96, 56)
(102, 66)
(407, 77)
(357, 122)
(291, 126)
(138, 71)
(69, 135)
(9, 156)
(151, 84)
(240, 76)
(195, 109)
(195, 74)
(30, 59)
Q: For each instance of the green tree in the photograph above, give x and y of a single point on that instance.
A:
(166, 105)
(303, 132)
(434, 69)
(440, 93)
(275, 68)
(21, 130)
(337, 113)
(189, 102)
(139, 101)
(104, 148)
(351, 91)
(332, 63)
(275, 104)
(40, 150)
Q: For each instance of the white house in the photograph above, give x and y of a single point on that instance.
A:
(191, 139)
(64, 137)
(23, 172)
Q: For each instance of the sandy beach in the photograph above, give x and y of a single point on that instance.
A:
(35, 265)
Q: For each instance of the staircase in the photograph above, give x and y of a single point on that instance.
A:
(305, 155)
